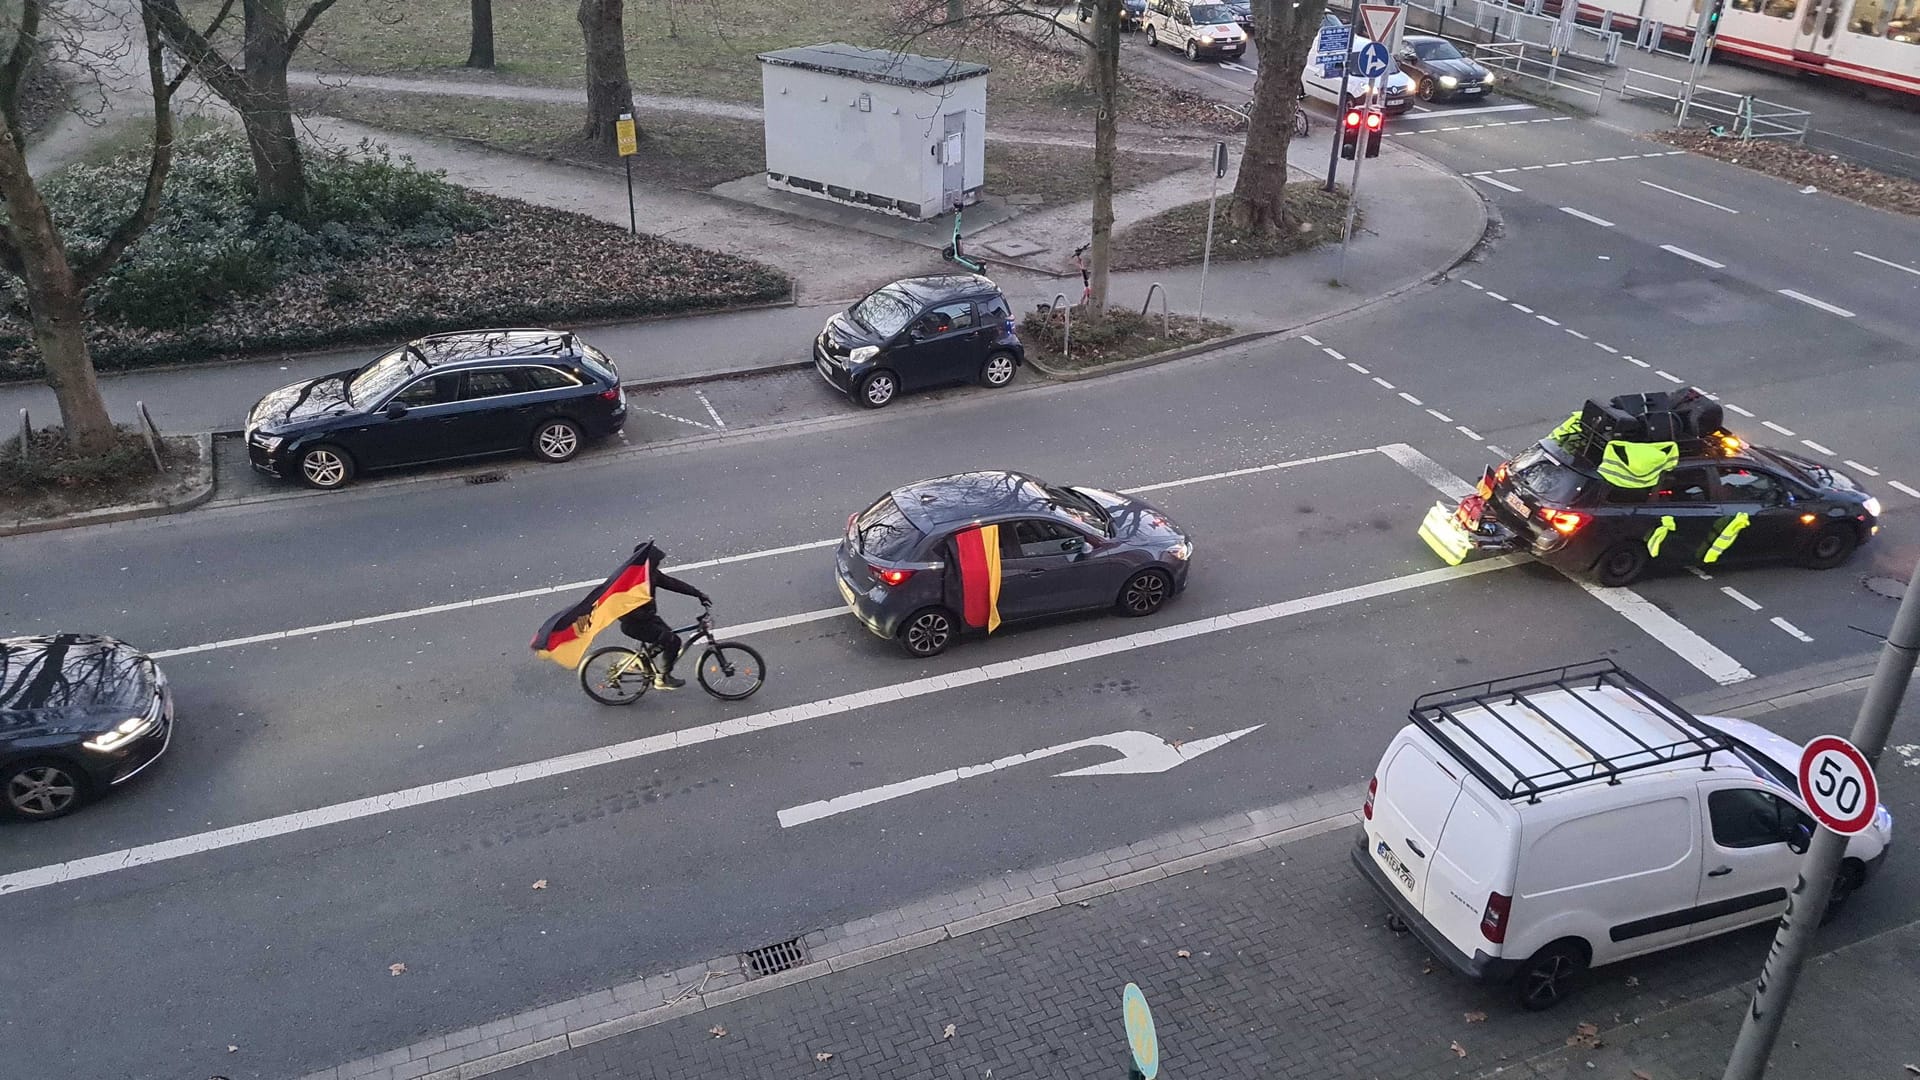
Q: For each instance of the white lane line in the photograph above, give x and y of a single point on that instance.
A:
(1608, 347)
(1548, 319)
(1311, 340)
(1582, 161)
(1454, 128)
(1584, 216)
(1411, 400)
(1435, 474)
(1776, 427)
(1496, 451)
(1888, 262)
(1638, 362)
(1501, 184)
(495, 779)
(1358, 368)
(1816, 447)
(1167, 485)
(1450, 113)
(1471, 284)
(1522, 308)
(717, 422)
(1731, 407)
(1496, 296)
(1600, 159)
(1231, 66)
(1695, 198)
(1701, 259)
(1857, 467)
(1667, 375)
(1577, 334)
(1467, 431)
(1699, 573)
(1556, 164)
(1530, 168)
(1628, 157)
(1506, 170)
(1333, 352)
(1903, 489)
(678, 419)
(1821, 304)
(1746, 601)
(1383, 382)
(1445, 419)
(1790, 628)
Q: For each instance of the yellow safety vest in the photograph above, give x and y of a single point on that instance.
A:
(1659, 536)
(1567, 429)
(1445, 536)
(1725, 540)
(1637, 464)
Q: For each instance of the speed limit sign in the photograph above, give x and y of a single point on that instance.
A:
(1837, 783)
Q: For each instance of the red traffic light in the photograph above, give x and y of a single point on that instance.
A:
(1353, 118)
(1374, 121)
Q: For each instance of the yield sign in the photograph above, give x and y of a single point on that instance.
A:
(1379, 21)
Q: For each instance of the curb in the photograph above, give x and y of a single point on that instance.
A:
(130, 512)
(1151, 359)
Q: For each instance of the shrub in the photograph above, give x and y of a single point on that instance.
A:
(50, 464)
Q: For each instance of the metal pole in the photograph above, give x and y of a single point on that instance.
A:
(1793, 942)
(633, 218)
(1695, 63)
(1353, 187)
(1206, 253)
(1339, 117)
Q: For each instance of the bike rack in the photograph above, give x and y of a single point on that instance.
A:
(1162, 290)
(1066, 315)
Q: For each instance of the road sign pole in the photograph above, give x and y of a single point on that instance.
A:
(1794, 940)
(1353, 188)
(1339, 119)
(626, 137)
(1206, 252)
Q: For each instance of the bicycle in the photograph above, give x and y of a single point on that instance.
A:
(1302, 120)
(1086, 273)
(621, 675)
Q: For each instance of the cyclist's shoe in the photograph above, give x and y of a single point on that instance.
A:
(664, 681)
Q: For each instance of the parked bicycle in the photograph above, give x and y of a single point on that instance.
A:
(1302, 120)
(621, 675)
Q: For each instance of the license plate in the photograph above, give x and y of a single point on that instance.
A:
(1473, 89)
(1393, 864)
(1515, 503)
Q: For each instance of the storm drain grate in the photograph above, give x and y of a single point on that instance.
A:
(486, 478)
(775, 958)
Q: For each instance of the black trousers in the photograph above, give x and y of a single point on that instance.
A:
(647, 626)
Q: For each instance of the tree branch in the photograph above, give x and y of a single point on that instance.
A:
(14, 71)
(142, 216)
(198, 49)
(299, 31)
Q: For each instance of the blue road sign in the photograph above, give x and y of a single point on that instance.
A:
(1372, 61)
(1141, 1038)
(1334, 43)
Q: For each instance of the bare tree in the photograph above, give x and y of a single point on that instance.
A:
(609, 90)
(481, 53)
(33, 249)
(1283, 32)
(255, 86)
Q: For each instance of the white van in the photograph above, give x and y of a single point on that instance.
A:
(1396, 89)
(1528, 828)
(1201, 30)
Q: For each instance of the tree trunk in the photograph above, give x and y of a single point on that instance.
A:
(609, 90)
(1283, 33)
(481, 54)
(1105, 69)
(280, 177)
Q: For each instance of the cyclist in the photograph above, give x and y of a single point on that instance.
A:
(644, 624)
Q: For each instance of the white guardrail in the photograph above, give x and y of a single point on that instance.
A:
(1741, 116)
(1542, 68)
(1523, 23)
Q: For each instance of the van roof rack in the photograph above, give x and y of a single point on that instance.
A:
(1578, 762)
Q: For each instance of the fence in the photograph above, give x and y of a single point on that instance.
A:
(1724, 112)
(1492, 21)
(1543, 68)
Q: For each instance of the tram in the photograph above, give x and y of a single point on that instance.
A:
(1874, 42)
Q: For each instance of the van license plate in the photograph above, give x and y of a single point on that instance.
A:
(1394, 865)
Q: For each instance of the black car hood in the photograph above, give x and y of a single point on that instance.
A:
(303, 401)
(844, 332)
(1132, 518)
(1462, 68)
(70, 683)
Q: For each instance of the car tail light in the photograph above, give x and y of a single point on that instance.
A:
(889, 576)
(1493, 921)
(1564, 522)
(610, 395)
(1500, 474)
(1366, 808)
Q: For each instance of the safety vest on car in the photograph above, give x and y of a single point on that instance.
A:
(1447, 539)
(1637, 464)
(1725, 540)
(1567, 429)
(1659, 536)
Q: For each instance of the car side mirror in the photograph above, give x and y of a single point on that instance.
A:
(1799, 837)
(396, 410)
(1073, 546)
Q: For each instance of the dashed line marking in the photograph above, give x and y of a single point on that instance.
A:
(1333, 352)
(678, 419)
(1888, 262)
(1600, 159)
(1637, 362)
(1445, 419)
(1383, 382)
(1582, 161)
(1311, 340)
(1577, 334)
(1695, 198)
(1496, 296)
(1506, 170)
(1667, 375)
(1556, 164)
(1816, 447)
(1857, 467)
(1607, 347)
(1358, 368)
(1731, 407)
(717, 422)
(1522, 307)
(1501, 184)
(1584, 216)
(1455, 127)
(1497, 452)
(1471, 284)
(1749, 603)
(1549, 320)
(1790, 628)
(1411, 400)
(1776, 427)
(1690, 256)
(1472, 434)
(1530, 168)
(1903, 489)
(1821, 304)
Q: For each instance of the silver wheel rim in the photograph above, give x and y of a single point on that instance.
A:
(42, 791)
(928, 633)
(1000, 370)
(1192, 52)
(324, 468)
(558, 441)
(1152, 38)
(880, 390)
(1146, 593)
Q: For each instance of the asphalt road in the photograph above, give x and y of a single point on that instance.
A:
(667, 847)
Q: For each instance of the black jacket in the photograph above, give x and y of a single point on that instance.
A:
(660, 579)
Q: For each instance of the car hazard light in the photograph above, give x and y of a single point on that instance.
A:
(1564, 522)
(1493, 921)
(886, 575)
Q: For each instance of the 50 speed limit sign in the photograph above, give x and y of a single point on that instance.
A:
(1837, 783)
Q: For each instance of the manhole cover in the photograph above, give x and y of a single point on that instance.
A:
(773, 959)
(1891, 588)
(1014, 248)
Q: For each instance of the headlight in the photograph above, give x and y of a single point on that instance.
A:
(1488, 80)
(269, 443)
(1182, 550)
(862, 354)
(1882, 817)
(1449, 81)
(1872, 506)
(126, 732)
(1207, 40)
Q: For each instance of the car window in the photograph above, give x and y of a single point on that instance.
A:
(1032, 538)
(598, 363)
(994, 309)
(432, 390)
(546, 378)
(1749, 817)
(1684, 486)
(1749, 485)
(486, 384)
(947, 319)
(884, 532)
(379, 378)
(1209, 14)
(884, 312)
(1435, 50)
(1537, 473)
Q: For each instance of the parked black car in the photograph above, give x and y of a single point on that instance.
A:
(78, 715)
(919, 333)
(1439, 71)
(1133, 13)
(439, 398)
(1243, 14)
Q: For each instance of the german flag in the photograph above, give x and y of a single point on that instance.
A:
(564, 638)
(979, 551)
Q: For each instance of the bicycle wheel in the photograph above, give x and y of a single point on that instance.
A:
(615, 675)
(731, 671)
(1301, 124)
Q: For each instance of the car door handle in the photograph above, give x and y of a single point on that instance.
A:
(1415, 848)
(1721, 872)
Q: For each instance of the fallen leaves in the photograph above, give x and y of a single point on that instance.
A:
(1642, 1074)
(1184, 953)
(823, 1056)
(1585, 1035)
(947, 1032)
(718, 1031)
(1458, 1050)
(541, 884)
(1476, 1017)
(1796, 163)
(396, 969)
(1633, 980)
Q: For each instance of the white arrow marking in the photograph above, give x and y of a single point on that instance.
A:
(1142, 752)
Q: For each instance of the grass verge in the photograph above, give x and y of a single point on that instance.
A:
(53, 481)
(1177, 236)
(1114, 335)
(1797, 164)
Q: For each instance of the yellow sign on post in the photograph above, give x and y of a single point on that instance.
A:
(624, 131)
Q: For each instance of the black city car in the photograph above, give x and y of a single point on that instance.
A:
(919, 333)
(439, 398)
(78, 715)
(1438, 70)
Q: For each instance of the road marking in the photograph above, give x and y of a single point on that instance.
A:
(1776, 427)
(1816, 447)
(1383, 382)
(1743, 598)
(1450, 113)
(1684, 195)
(1548, 319)
(1731, 407)
(1436, 475)
(1311, 340)
(1701, 259)
(1230, 474)
(1821, 304)
(1467, 431)
(1496, 296)
(1556, 164)
(1445, 419)
(1584, 216)
(1530, 168)
(1454, 128)
(1790, 628)
(1600, 159)
(1903, 489)
(1667, 375)
(1506, 170)
(680, 419)
(1358, 368)
(717, 422)
(1608, 347)
(1856, 466)
(1496, 451)
(1577, 334)
(1231, 66)
(1699, 573)
(1501, 184)
(1582, 161)
(1888, 262)
(1638, 362)
(1411, 400)
(1470, 284)
(495, 779)
(1523, 308)
(1333, 352)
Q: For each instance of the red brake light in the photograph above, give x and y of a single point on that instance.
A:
(1500, 474)
(1366, 809)
(1564, 522)
(1493, 921)
(610, 395)
(887, 576)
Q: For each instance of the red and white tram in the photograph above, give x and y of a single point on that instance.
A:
(1876, 42)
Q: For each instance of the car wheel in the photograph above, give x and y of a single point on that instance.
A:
(1193, 51)
(927, 632)
(556, 440)
(41, 789)
(1548, 977)
(1849, 879)
(1145, 593)
(877, 389)
(1621, 565)
(1830, 547)
(1153, 39)
(997, 370)
(325, 467)
(1425, 90)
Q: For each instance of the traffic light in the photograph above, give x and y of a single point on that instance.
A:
(1350, 134)
(1713, 17)
(1376, 125)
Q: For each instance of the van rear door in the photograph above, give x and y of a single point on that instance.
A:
(1474, 860)
(1412, 798)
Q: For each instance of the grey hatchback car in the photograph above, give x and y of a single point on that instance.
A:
(917, 566)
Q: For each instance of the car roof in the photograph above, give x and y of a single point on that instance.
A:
(469, 346)
(938, 287)
(944, 501)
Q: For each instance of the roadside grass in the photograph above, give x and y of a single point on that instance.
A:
(1114, 335)
(1798, 165)
(1177, 236)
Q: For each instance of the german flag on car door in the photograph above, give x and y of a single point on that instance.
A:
(564, 638)
(979, 552)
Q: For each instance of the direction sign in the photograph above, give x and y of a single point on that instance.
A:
(1836, 781)
(1379, 21)
(1333, 44)
(1141, 1037)
(1371, 60)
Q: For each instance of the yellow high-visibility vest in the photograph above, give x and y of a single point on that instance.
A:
(1659, 536)
(1725, 540)
(1445, 536)
(1637, 464)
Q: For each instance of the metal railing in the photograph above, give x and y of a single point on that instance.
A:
(1543, 69)
(1493, 21)
(1156, 287)
(1724, 112)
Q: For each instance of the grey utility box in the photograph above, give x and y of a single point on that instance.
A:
(881, 130)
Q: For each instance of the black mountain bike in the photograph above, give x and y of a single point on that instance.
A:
(621, 675)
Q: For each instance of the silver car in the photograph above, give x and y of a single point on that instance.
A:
(912, 571)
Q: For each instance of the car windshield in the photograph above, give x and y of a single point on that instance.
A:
(1204, 14)
(1763, 766)
(885, 312)
(382, 377)
(597, 362)
(1082, 509)
(1436, 50)
(1537, 473)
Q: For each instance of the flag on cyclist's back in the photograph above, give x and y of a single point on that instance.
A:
(979, 551)
(564, 638)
